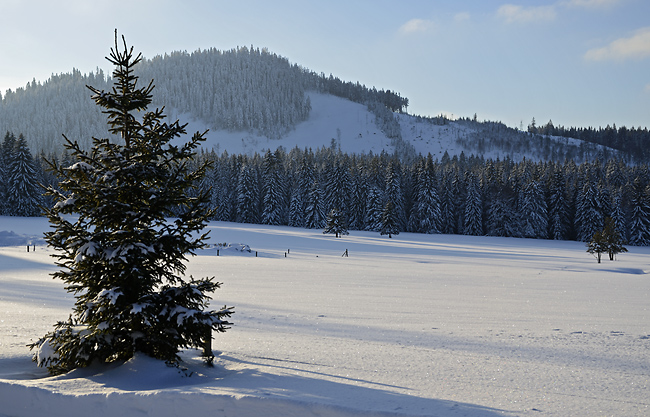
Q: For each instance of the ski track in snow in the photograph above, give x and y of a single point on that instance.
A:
(416, 325)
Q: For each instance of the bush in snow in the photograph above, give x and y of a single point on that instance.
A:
(335, 223)
(119, 254)
(237, 247)
(607, 240)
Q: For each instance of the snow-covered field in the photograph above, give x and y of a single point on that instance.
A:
(433, 325)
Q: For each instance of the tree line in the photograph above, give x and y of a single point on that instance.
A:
(459, 195)
(631, 141)
(453, 195)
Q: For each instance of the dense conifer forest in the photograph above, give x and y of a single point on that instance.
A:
(454, 195)
(632, 141)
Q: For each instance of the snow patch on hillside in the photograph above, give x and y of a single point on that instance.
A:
(347, 126)
(335, 121)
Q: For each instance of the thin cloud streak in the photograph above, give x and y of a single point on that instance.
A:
(513, 13)
(416, 26)
(634, 47)
(592, 4)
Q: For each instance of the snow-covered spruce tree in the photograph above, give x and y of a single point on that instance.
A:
(273, 189)
(558, 210)
(447, 207)
(358, 198)
(389, 221)
(533, 209)
(336, 223)
(223, 190)
(588, 216)
(24, 195)
(374, 209)
(473, 224)
(613, 238)
(618, 215)
(427, 205)
(7, 148)
(119, 253)
(314, 213)
(393, 192)
(502, 217)
(300, 194)
(336, 187)
(640, 213)
(248, 199)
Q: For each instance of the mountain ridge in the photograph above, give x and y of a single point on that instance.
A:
(252, 100)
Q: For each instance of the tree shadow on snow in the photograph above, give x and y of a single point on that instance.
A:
(629, 271)
(304, 386)
(281, 391)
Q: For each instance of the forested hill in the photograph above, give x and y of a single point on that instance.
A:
(253, 100)
(241, 90)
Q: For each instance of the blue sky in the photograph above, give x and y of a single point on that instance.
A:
(575, 62)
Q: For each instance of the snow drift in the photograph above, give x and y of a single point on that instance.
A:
(416, 325)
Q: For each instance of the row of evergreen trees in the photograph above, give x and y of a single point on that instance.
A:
(631, 141)
(459, 195)
(544, 200)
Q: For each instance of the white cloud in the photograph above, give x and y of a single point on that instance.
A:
(513, 13)
(416, 26)
(461, 17)
(592, 4)
(647, 88)
(634, 47)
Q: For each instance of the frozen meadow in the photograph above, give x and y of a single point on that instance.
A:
(416, 325)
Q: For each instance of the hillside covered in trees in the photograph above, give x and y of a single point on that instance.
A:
(265, 97)
(540, 183)
(242, 89)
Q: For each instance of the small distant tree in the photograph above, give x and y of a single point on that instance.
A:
(389, 222)
(597, 245)
(335, 223)
(613, 238)
(119, 253)
(607, 241)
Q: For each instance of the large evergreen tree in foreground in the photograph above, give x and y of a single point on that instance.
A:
(118, 252)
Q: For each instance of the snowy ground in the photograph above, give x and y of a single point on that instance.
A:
(433, 325)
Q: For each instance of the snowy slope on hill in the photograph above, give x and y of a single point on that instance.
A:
(351, 127)
(347, 125)
(416, 325)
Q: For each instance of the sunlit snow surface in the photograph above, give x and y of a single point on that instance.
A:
(433, 325)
